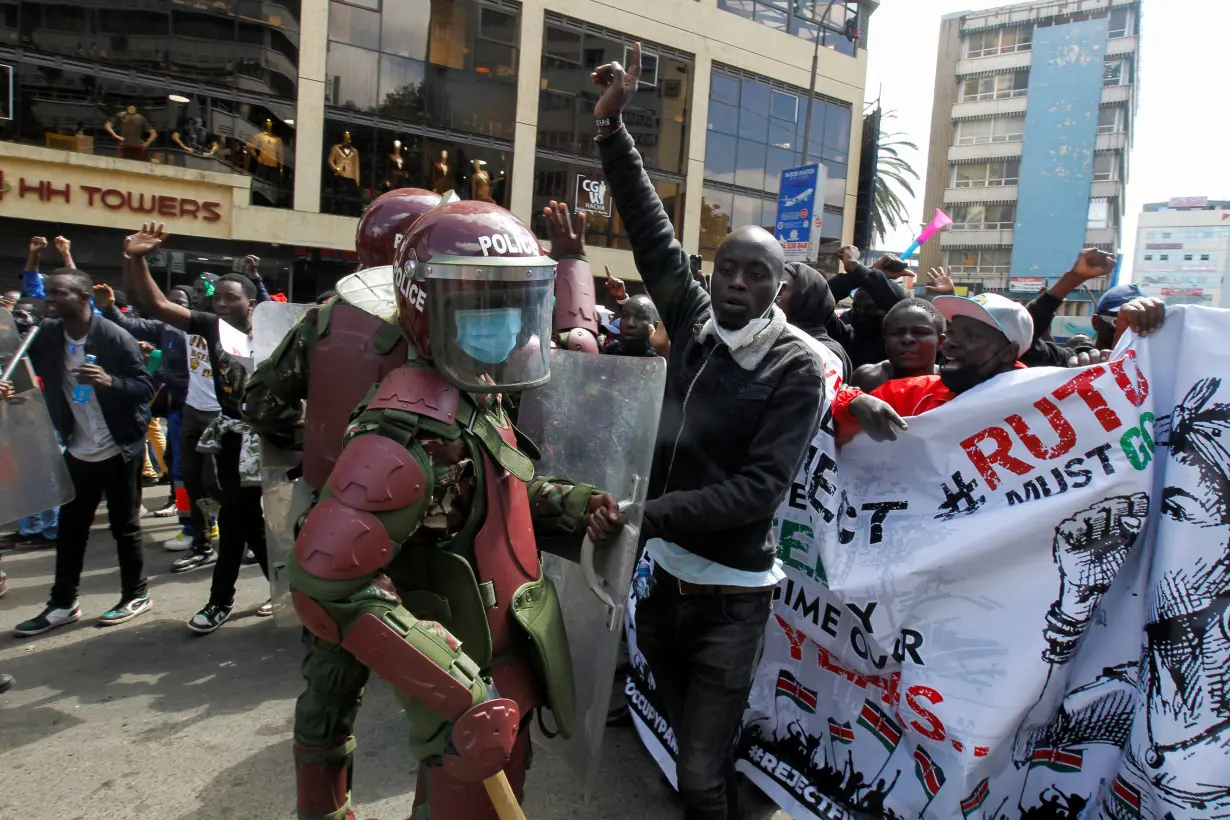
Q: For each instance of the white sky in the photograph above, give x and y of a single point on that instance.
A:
(1182, 126)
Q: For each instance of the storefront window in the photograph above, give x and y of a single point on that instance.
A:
(756, 129)
(363, 161)
(657, 117)
(447, 63)
(78, 111)
(233, 43)
(559, 181)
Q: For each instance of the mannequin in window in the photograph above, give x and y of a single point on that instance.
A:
(395, 176)
(480, 182)
(344, 162)
(135, 134)
(192, 138)
(266, 149)
(440, 182)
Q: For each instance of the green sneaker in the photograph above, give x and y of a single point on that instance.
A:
(125, 610)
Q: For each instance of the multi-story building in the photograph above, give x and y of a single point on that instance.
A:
(1183, 251)
(265, 126)
(1030, 136)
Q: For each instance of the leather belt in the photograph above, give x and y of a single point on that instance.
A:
(689, 588)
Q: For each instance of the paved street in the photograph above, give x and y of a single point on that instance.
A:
(147, 720)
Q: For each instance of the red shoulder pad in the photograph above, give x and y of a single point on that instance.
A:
(376, 474)
(417, 390)
(338, 542)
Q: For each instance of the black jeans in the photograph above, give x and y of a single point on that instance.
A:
(120, 482)
(197, 469)
(703, 651)
(241, 523)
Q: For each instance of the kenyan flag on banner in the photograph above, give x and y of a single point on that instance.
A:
(929, 775)
(1127, 796)
(976, 798)
(788, 687)
(1057, 760)
(876, 720)
(841, 732)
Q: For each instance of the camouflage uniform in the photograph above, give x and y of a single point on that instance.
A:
(325, 713)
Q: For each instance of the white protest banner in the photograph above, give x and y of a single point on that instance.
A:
(1020, 609)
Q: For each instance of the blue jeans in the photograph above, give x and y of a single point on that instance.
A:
(175, 422)
(45, 523)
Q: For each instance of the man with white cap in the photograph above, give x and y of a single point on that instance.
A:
(987, 335)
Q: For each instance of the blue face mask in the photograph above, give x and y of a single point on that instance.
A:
(488, 336)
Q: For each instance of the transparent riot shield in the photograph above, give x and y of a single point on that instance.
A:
(595, 422)
(33, 476)
(284, 500)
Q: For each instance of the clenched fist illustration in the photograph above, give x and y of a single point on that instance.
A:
(1090, 549)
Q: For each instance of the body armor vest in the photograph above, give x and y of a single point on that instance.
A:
(352, 351)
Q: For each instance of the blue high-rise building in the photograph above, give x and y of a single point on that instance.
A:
(1030, 137)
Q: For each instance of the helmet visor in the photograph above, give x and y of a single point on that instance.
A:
(491, 326)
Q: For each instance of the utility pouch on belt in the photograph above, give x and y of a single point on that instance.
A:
(536, 607)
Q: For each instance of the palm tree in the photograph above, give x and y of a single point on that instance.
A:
(892, 172)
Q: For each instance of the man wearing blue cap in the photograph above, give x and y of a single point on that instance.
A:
(1106, 313)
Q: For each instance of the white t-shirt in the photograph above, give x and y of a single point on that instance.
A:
(201, 395)
(91, 439)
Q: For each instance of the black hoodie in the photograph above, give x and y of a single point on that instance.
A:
(811, 307)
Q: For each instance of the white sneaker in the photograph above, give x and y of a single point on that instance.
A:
(179, 543)
(49, 619)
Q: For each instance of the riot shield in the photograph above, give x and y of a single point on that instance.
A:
(595, 421)
(33, 476)
(284, 500)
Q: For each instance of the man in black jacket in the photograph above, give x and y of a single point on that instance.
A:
(104, 431)
(743, 399)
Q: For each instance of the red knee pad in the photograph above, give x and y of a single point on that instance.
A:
(313, 616)
(484, 738)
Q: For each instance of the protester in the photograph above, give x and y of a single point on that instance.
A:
(31, 277)
(986, 337)
(755, 392)
(860, 329)
(171, 380)
(913, 332)
(809, 305)
(104, 428)
(226, 332)
(1090, 264)
(196, 473)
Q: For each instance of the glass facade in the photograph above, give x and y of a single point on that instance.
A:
(657, 119)
(202, 85)
(419, 93)
(756, 130)
(445, 63)
(807, 19)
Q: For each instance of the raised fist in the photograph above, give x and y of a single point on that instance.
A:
(37, 243)
(1090, 548)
